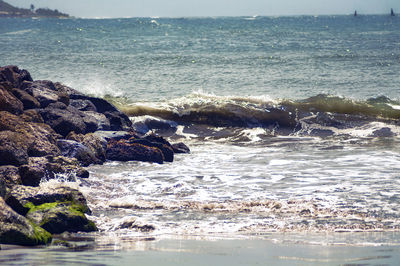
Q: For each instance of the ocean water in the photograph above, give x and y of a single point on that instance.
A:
(292, 122)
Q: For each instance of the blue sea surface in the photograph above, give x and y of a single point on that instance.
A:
(153, 59)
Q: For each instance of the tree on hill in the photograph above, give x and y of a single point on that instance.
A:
(7, 10)
(49, 13)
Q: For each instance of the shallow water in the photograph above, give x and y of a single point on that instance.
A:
(215, 252)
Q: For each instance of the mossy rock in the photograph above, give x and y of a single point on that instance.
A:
(59, 217)
(41, 236)
(17, 230)
(22, 198)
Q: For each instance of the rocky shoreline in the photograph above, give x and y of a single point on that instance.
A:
(46, 130)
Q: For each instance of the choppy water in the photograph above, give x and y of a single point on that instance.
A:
(292, 121)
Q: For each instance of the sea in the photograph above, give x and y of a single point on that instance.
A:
(292, 122)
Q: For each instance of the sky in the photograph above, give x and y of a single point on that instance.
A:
(190, 8)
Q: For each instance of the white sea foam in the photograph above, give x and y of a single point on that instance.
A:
(220, 189)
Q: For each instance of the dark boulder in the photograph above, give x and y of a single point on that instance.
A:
(38, 138)
(27, 100)
(67, 166)
(17, 230)
(166, 149)
(3, 188)
(32, 116)
(63, 119)
(13, 148)
(10, 175)
(82, 153)
(123, 150)
(50, 167)
(83, 105)
(157, 139)
(96, 144)
(118, 120)
(180, 148)
(18, 197)
(43, 91)
(115, 135)
(33, 172)
(42, 140)
(13, 77)
(101, 105)
(10, 103)
(157, 125)
(95, 121)
(72, 93)
(163, 145)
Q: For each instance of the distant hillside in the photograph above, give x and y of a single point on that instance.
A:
(7, 10)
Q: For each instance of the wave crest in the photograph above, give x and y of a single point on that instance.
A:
(320, 115)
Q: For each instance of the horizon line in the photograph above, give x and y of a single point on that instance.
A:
(233, 16)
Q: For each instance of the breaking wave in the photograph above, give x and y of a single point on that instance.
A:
(321, 115)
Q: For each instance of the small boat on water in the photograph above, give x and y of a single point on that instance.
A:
(392, 12)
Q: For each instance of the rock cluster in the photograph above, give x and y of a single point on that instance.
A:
(48, 129)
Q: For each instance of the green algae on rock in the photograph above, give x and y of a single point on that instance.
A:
(17, 230)
(59, 217)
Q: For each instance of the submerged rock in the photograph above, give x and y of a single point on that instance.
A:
(123, 150)
(149, 123)
(167, 151)
(180, 148)
(131, 223)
